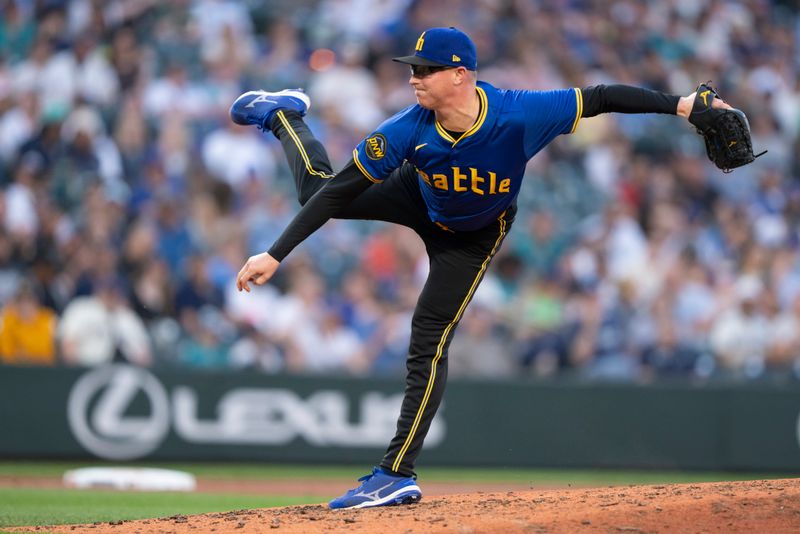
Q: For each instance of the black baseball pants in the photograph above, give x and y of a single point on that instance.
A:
(458, 261)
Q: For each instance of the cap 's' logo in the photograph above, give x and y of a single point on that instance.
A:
(420, 42)
(376, 146)
(456, 58)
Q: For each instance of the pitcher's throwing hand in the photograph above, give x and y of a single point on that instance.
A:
(257, 269)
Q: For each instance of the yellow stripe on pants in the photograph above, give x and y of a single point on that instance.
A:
(440, 348)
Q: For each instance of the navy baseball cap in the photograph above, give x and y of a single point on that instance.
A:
(443, 47)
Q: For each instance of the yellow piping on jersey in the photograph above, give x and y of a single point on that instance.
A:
(578, 108)
(440, 347)
(362, 169)
(475, 127)
(443, 132)
(301, 148)
(481, 117)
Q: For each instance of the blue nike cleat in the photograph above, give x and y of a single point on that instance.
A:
(379, 489)
(258, 107)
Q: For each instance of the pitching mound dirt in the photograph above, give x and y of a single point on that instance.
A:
(752, 506)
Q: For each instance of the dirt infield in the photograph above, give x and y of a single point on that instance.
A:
(751, 506)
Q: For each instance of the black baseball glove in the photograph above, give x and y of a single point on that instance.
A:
(725, 131)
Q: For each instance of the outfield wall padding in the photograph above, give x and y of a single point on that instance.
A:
(123, 413)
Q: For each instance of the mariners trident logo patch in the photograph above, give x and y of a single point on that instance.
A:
(376, 147)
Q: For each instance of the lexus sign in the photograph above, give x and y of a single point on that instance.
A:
(100, 419)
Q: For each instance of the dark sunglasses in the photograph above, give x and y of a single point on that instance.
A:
(422, 71)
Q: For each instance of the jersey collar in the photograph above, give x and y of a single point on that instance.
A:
(475, 127)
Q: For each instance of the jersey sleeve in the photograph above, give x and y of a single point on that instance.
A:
(548, 114)
(385, 149)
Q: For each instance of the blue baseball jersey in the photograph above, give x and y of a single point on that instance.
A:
(470, 181)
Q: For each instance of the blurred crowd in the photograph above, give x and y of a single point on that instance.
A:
(129, 201)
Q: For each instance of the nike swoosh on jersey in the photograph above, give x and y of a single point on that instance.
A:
(419, 146)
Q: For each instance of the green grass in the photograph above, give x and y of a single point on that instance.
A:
(23, 506)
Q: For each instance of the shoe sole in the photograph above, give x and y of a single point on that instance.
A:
(407, 495)
(300, 95)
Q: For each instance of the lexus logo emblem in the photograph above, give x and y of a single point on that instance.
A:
(97, 412)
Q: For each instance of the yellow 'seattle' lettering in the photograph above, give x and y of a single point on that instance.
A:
(425, 177)
(458, 178)
(476, 181)
(461, 182)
